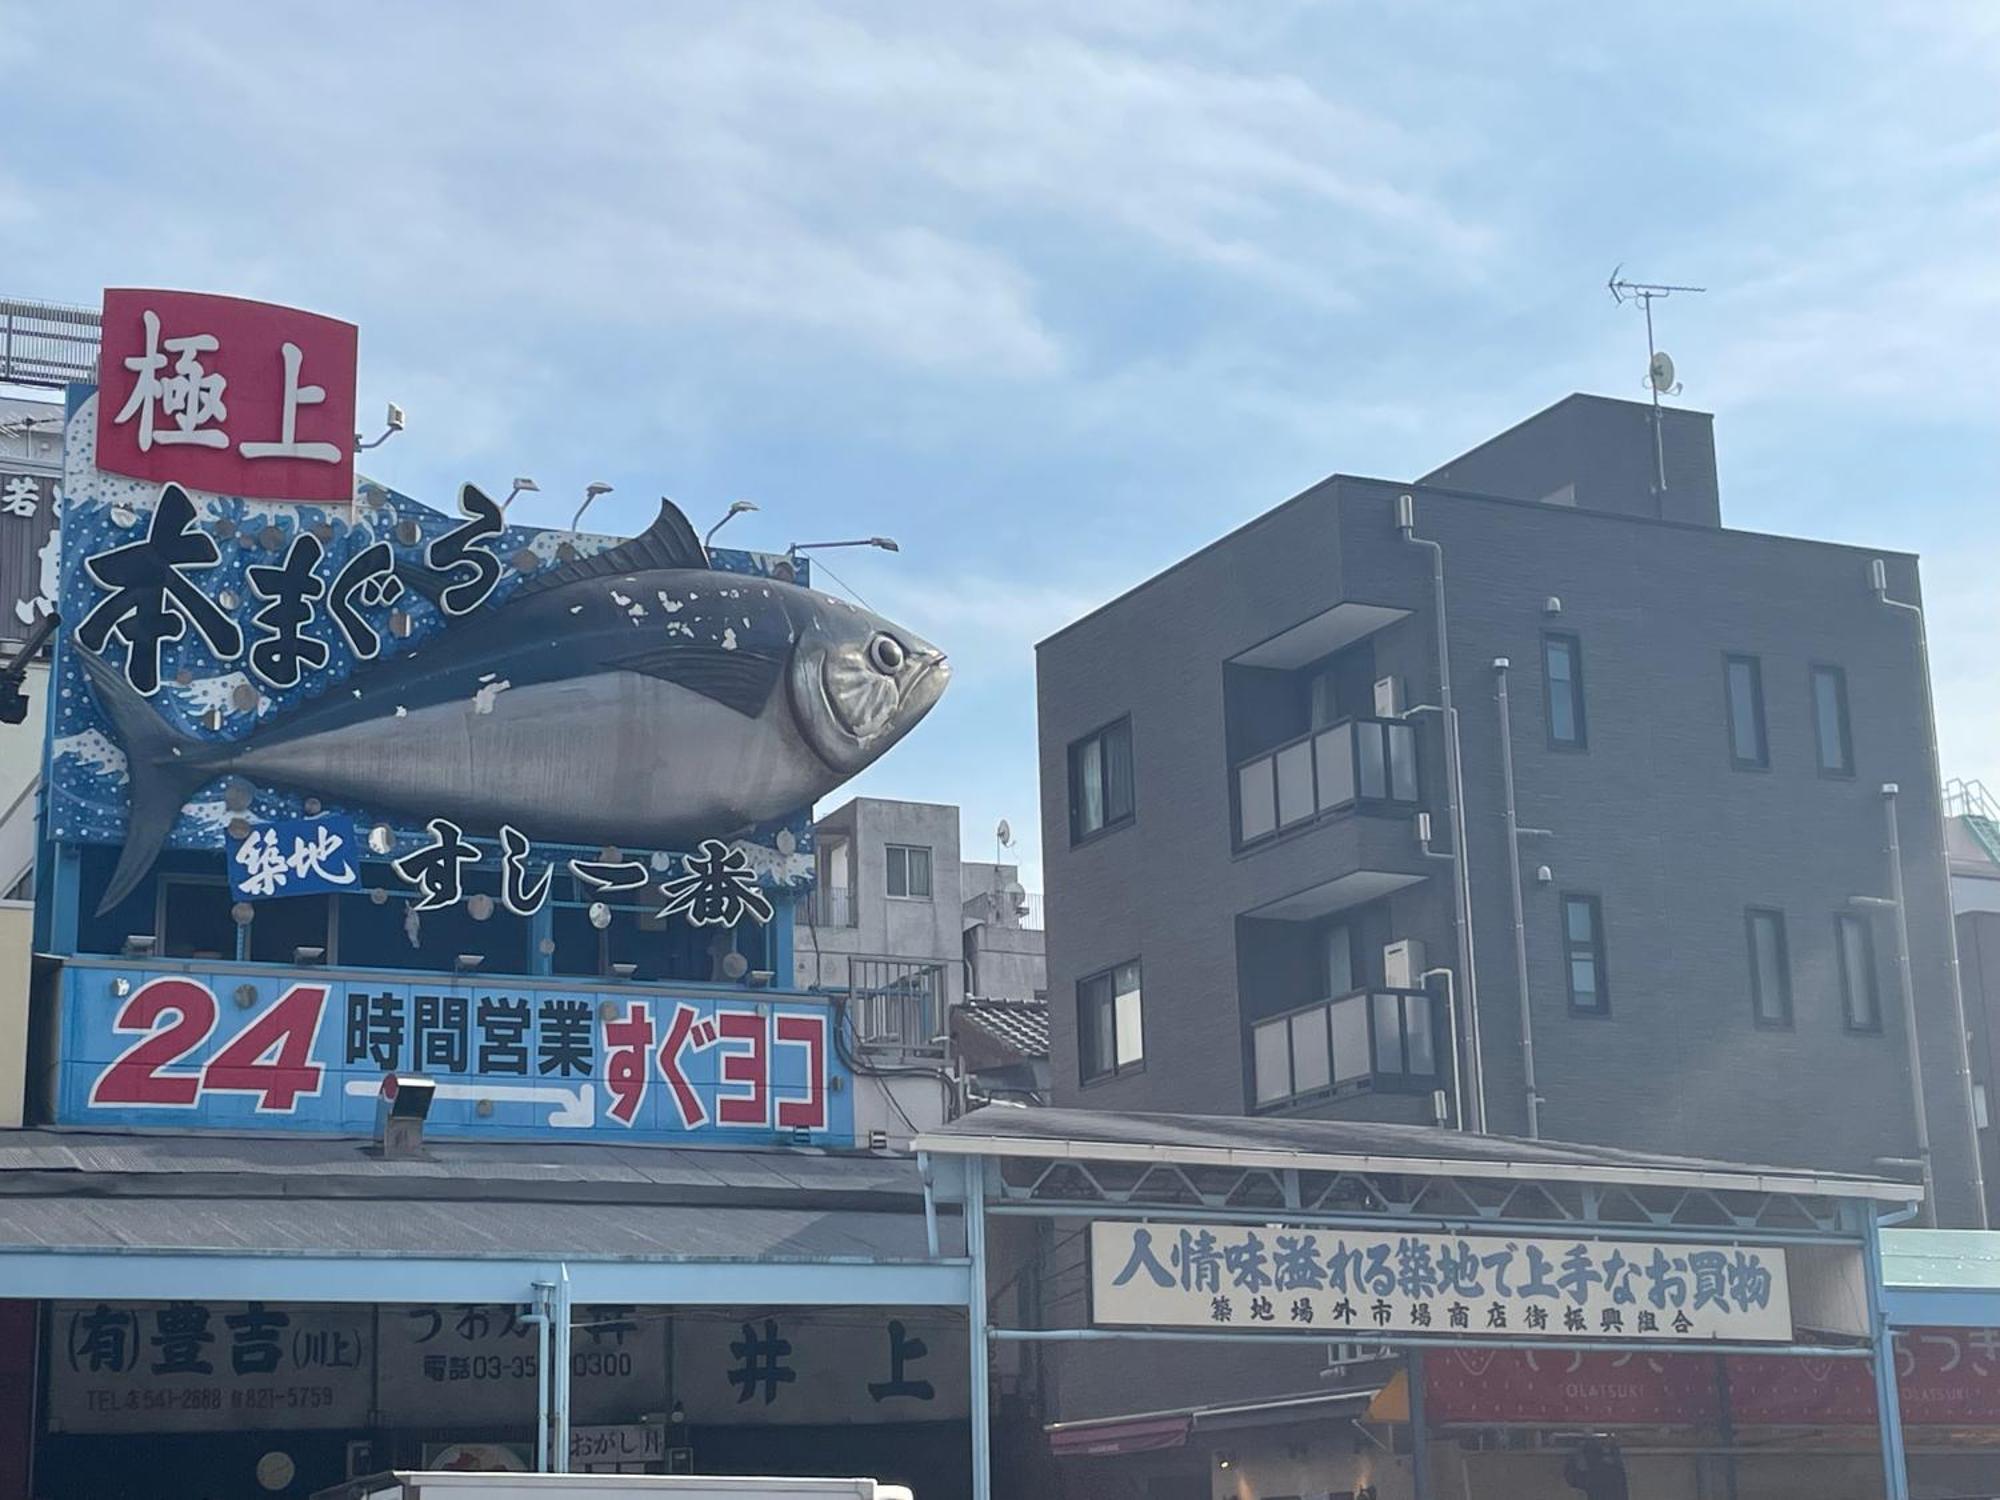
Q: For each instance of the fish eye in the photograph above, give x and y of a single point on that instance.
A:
(886, 652)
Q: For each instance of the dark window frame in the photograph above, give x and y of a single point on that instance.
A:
(1784, 966)
(1838, 675)
(930, 872)
(1848, 1010)
(1737, 760)
(1574, 643)
(1109, 973)
(1074, 780)
(1571, 950)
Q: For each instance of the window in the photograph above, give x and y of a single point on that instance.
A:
(1829, 696)
(909, 872)
(1110, 1036)
(1562, 689)
(1747, 747)
(1861, 1001)
(1770, 968)
(1583, 955)
(1100, 781)
(194, 919)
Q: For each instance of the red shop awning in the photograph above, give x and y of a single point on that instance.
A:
(1102, 1439)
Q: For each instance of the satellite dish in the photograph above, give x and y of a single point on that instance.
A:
(1661, 374)
(1005, 834)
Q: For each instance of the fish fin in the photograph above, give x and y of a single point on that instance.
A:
(740, 679)
(164, 766)
(669, 542)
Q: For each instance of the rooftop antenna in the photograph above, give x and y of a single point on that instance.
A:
(1659, 364)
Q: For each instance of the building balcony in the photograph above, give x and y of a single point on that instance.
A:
(1374, 1040)
(1364, 763)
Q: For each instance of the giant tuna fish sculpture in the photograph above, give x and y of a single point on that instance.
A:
(638, 697)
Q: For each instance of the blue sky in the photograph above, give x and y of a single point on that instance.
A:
(1053, 298)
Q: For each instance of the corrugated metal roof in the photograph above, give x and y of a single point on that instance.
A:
(1109, 1135)
(515, 1231)
(77, 1161)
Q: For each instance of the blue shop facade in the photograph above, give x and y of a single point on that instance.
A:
(355, 809)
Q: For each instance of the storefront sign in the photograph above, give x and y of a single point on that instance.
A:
(1359, 1285)
(228, 1051)
(295, 857)
(606, 1449)
(235, 397)
(204, 1366)
(1947, 1377)
(810, 1368)
(30, 549)
(475, 1366)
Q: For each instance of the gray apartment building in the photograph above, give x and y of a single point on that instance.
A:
(1677, 910)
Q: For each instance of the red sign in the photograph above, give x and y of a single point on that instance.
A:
(220, 394)
(1946, 1376)
(1555, 1387)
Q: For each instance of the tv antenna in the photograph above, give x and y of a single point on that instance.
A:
(1659, 364)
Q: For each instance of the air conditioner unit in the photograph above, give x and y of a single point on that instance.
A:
(1403, 964)
(1388, 698)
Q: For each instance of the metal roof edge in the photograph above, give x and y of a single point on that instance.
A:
(1755, 1180)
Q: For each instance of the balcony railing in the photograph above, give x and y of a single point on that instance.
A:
(832, 907)
(47, 343)
(1373, 1039)
(896, 1007)
(1355, 761)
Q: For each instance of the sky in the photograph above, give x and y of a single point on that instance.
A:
(1054, 294)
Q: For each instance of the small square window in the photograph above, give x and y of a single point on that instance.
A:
(1110, 1022)
(1100, 781)
(909, 872)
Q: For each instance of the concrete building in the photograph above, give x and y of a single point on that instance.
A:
(1972, 834)
(908, 929)
(1674, 931)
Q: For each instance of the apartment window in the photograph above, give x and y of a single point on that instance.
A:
(1583, 954)
(1861, 1000)
(1770, 967)
(1111, 1037)
(1748, 749)
(1100, 781)
(1562, 690)
(1830, 733)
(909, 872)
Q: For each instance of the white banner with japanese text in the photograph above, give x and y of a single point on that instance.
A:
(1355, 1285)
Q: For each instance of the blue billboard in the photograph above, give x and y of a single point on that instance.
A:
(295, 1050)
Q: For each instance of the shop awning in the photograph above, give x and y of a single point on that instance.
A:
(162, 1217)
(1109, 1439)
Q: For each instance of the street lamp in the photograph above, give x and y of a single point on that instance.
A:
(887, 544)
(520, 484)
(736, 508)
(590, 493)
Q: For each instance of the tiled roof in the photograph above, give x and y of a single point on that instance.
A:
(1021, 1026)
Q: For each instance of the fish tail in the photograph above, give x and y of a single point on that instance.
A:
(165, 767)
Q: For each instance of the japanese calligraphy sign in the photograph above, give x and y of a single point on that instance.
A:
(474, 1365)
(30, 549)
(228, 663)
(821, 1367)
(261, 1051)
(196, 1366)
(295, 857)
(234, 397)
(1363, 1285)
